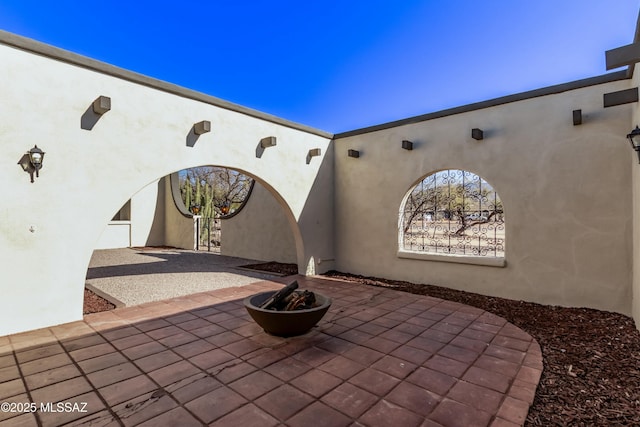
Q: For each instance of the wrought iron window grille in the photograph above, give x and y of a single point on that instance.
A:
(453, 212)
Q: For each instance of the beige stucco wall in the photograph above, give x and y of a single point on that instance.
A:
(566, 192)
(147, 215)
(635, 179)
(116, 234)
(145, 226)
(49, 228)
(259, 231)
(180, 227)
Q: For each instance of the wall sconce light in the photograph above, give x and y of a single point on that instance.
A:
(269, 141)
(101, 105)
(577, 117)
(202, 127)
(407, 145)
(354, 153)
(36, 157)
(634, 139)
(477, 134)
(314, 152)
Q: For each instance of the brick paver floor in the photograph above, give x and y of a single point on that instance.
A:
(378, 358)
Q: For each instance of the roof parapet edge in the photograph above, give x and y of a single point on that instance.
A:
(549, 90)
(52, 52)
(631, 68)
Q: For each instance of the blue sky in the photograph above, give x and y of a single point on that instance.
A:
(340, 65)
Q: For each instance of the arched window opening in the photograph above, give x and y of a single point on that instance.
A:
(214, 193)
(453, 212)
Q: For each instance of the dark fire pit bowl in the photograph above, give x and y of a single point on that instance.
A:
(286, 323)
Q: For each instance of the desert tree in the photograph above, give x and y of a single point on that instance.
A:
(213, 192)
(217, 190)
(456, 196)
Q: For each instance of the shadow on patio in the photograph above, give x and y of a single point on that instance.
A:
(378, 358)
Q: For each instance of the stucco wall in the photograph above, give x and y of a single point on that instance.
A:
(147, 215)
(635, 179)
(145, 224)
(180, 228)
(116, 234)
(566, 191)
(49, 228)
(259, 231)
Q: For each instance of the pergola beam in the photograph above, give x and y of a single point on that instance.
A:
(621, 56)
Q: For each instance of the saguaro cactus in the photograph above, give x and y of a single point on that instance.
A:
(187, 193)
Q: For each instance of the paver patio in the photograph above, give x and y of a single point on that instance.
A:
(378, 358)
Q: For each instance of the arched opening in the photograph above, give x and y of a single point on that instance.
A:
(452, 212)
(162, 231)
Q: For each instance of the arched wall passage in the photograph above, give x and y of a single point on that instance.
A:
(157, 216)
(252, 226)
(51, 227)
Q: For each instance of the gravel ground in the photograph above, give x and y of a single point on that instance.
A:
(134, 276)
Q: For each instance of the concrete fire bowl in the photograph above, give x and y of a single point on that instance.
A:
(286, 323)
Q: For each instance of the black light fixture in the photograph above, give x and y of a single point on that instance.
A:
(577, 117)
(36, 156)
(407, 145)
(477, 134)
(634, 139)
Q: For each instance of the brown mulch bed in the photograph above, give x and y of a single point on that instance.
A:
(274, 267)
(152, 248)
(591, 358)
(94, 303)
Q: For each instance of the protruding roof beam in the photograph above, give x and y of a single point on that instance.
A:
(621, 56)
